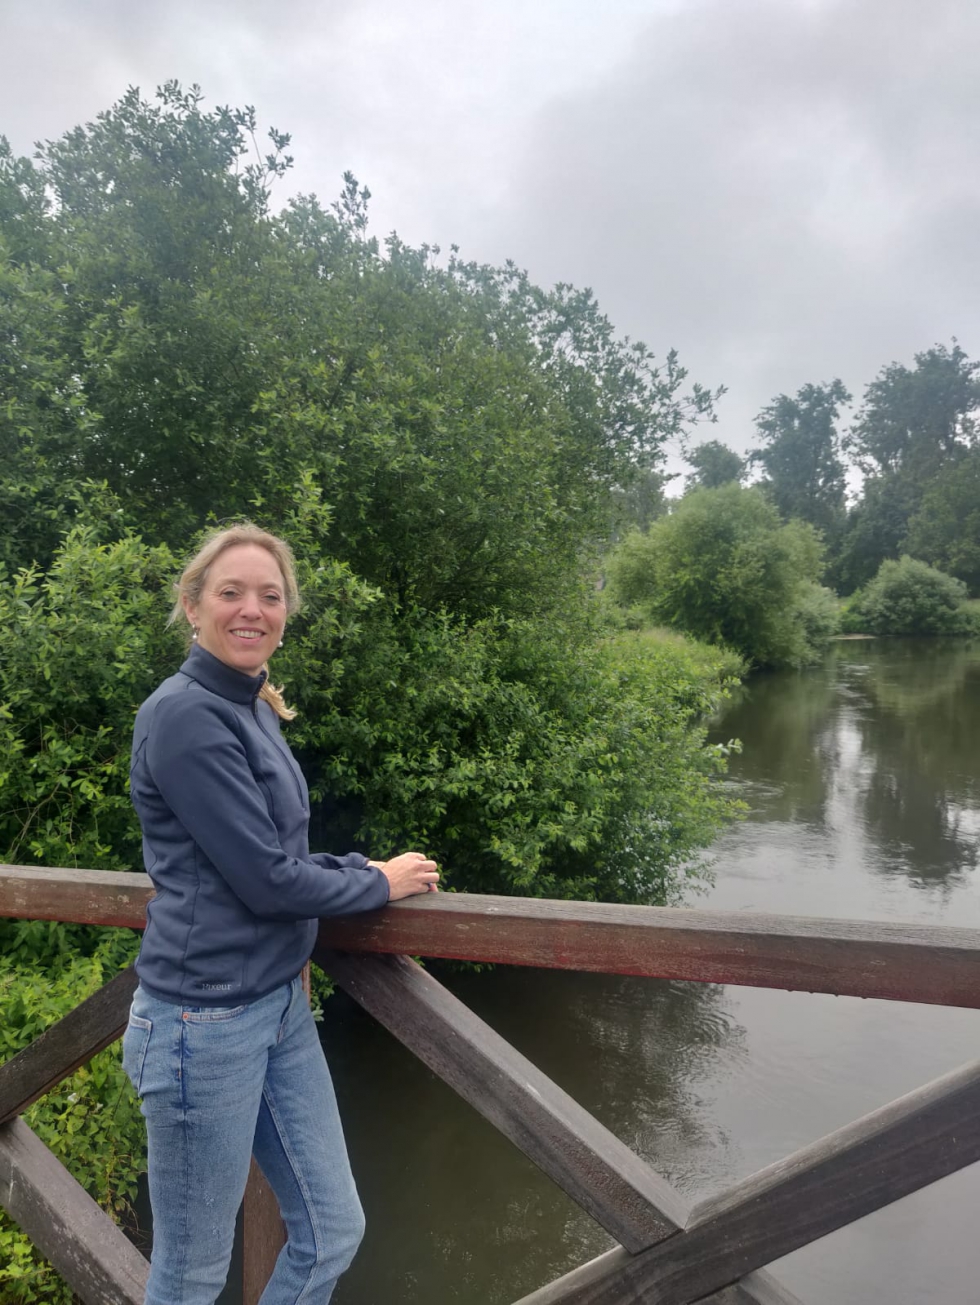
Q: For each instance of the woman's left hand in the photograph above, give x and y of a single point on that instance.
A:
(409, 874)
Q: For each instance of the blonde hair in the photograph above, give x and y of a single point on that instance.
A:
(190, 586)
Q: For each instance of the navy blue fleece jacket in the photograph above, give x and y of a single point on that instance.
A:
(225, 813)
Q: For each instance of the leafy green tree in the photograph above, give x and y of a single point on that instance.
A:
(200, 355)
(723, 568)
(800, 455)
(714, 464)
(910, 597)
(945, 529)
(915, 425)
(638, 502)
(876, 528)
(914, 419)
(438, 438)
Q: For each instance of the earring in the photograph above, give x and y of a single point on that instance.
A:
(280, 643)
(194, 634)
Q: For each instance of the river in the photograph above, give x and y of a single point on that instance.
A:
(863, 781)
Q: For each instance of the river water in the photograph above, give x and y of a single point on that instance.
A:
(862, 779)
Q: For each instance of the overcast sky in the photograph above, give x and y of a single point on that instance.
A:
(784, 190)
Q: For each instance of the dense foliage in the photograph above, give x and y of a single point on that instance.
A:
(714, 464)
(800, 455)
(440, 441)
(444, 444)
(914, 439)
(724, 568)
(910, 597)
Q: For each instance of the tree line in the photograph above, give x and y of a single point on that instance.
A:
(756, 566)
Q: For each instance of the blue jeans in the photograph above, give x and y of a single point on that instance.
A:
(219, 1085)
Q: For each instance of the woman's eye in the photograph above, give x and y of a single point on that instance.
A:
(229, 593)
(273, 598)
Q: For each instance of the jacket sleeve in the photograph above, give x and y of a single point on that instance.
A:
(198, 763)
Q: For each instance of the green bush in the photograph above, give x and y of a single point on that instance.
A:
(910, 597)
(818, 613)
(80, 647)
(527, 765)
(852, 619)
(723, 568)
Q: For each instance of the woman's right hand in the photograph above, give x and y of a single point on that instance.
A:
(408, 874)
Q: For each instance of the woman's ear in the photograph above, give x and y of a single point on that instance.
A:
(190, 611)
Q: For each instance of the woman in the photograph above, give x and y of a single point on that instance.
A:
(221, 1044)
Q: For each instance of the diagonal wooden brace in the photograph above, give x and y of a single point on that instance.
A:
(95, 1023)
(589, 1163)
(94, 1257)
(880, 1158)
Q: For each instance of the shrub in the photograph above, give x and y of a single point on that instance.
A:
(723, 568)
(818, 612)
(851, 615)
(910, 597)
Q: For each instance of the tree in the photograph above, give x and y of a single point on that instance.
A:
(714, 464)
(915, 424)
(724, 568)
(914, 419)
(876, 528)
(800, 456)
(637, 503)
(465, 425)
(945, 529)
(437, 438)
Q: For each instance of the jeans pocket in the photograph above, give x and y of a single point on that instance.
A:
(212, 1014)
(136, 1039)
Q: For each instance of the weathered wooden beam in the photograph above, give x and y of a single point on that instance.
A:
(110, 897)
(263, 1235)
(82, 1243)
(759, 1288)
(901, 962)
(891, 1152)
(58, 1052)
(587, 1161)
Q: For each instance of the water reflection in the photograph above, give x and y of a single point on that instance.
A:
(874, 750)
(637, 1053)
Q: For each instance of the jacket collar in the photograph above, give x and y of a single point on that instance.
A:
(224, 680)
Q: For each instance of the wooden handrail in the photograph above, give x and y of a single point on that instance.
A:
(857, 958)
(712, 1253)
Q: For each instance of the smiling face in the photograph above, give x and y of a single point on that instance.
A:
(242, 610)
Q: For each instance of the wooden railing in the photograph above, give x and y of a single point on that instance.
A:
(668, 1252)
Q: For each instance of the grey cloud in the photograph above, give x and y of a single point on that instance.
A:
(787, 192)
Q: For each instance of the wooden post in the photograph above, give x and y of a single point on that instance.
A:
(263, 1235)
